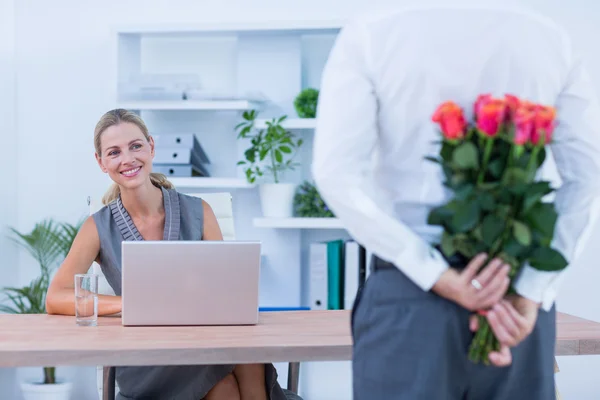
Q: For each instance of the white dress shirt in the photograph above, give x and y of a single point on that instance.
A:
(385, 76)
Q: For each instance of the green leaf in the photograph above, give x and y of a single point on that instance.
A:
(263, 153)
(285, 149)
(434, 159)
(466, 217)
(241, 162)
(278, 156)
(464, 191)
(466, 156)
(514, 248)
(534, 193)
(250, 155)
(447, 151)
(542, 217)
(447, 245)
(487, 201)
(439, 215)
(522, 233)
(547, 259)
(495, 168)
(514, 176)
(491, 228)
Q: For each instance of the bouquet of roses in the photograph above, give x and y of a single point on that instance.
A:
(497, 206)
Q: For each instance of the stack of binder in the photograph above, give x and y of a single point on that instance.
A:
(337, 269)
(179, 155)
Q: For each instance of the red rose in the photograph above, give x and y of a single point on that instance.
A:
(523, 125)
(490, 115)
(482, 100)
(451, 119)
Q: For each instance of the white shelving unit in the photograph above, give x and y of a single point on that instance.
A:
(193, 105)
(210, 183)
(258, 66)
(290, 123)
(298, 223)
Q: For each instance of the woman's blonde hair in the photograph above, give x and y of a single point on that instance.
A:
(115, 117)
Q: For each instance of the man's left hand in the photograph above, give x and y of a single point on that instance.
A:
(511, 319)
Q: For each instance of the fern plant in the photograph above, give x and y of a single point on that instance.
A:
(47, 243)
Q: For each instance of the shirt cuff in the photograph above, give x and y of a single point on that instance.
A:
(424, 267)
(534, 285)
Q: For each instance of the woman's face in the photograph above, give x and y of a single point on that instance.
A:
(126, 156)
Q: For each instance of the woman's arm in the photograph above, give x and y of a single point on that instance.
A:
(60, 298)
(212, 231)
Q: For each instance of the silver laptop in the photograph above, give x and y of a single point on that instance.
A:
(190, 282)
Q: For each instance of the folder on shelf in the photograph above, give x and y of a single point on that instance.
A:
(179, 171)
(355, 271)
(335, 275)
(336, 271)
(181, 140)
(317, 272)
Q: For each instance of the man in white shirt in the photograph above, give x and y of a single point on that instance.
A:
(384, 78)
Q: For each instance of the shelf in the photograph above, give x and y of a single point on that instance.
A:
(291, 123)
(298, 223)
(188, 105)
(281, 26)
(210, 183)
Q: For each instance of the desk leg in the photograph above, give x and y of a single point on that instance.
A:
(558, 396)
(293, 376)
(108, 383)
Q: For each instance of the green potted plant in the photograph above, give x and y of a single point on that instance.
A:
(48, 242)
(270, 155)
(308, 203)
(306, 102)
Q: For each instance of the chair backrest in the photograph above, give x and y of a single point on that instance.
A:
(221, 204)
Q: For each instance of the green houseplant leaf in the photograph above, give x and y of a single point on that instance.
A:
(46, 243)
(272, 150)
(306, 103)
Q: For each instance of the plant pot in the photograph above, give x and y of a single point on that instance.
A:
(40, 391)
(277, 199)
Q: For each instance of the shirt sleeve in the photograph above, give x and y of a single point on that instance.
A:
(345, 138)
(576, 151)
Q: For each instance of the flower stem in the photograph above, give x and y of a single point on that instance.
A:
(489, 142)
(531, 164)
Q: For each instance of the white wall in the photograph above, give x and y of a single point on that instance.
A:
(65, 64)
(8, 162)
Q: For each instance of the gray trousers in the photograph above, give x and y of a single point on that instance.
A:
(412, 345)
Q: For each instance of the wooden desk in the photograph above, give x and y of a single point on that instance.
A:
(34, 340)
(37, 340)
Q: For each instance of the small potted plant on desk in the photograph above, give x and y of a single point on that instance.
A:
(48, 243)
(271, 152)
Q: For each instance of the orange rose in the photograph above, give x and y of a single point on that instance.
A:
(490, 115)
(451, 119)
(543, 124)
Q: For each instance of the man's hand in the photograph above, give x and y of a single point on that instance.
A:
(511, 320)
(473, 290)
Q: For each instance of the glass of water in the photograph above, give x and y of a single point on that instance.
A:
(86, 299)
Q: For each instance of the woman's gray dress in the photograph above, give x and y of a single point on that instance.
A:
(184, 220)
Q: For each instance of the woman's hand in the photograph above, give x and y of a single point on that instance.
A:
(477, 287)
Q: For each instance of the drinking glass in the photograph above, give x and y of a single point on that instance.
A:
(86, 299)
